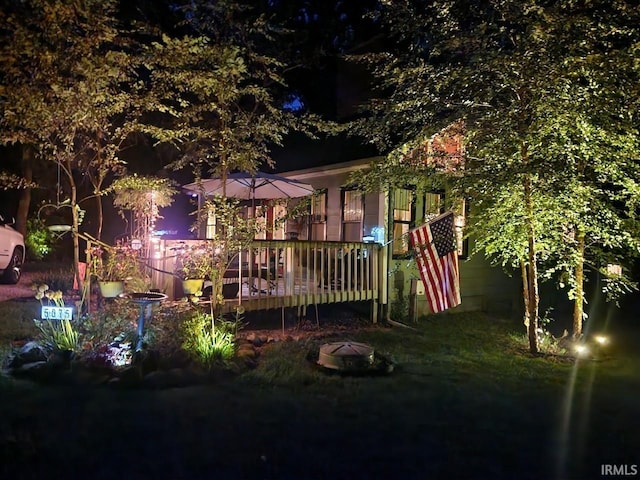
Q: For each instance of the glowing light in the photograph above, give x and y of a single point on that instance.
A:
(614, 270)
(378, 234)
(582, 350)
(601, 339)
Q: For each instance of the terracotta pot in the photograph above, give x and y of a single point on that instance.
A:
(111, 289)
(192, 285)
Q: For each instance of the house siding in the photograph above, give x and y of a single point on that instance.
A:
(483, 286)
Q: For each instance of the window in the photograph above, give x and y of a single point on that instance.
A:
(319, 208)
(352, 215)
(433, 205)
(318, 216)
(403, 217)
(461, 211)
(352, 206)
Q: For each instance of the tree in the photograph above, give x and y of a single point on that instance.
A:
(216, 95)
(500, 67)
(66, 69)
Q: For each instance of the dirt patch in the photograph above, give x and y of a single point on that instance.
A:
(22, 290)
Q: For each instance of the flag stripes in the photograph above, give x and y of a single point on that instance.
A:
(436, 256)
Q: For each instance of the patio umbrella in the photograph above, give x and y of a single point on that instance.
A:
(260, 186)
(264, 186)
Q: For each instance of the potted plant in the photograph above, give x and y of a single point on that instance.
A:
(112, 266)
(193, 266)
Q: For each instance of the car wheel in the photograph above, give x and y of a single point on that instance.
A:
(14, 270)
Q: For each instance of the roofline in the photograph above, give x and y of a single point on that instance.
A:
(335, 168)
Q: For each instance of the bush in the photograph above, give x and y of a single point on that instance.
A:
(39, 242)
(207, 342)
(116, 321)
(164, 332)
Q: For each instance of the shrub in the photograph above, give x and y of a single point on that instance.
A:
(207, 342)
(38, 241)
(399, 307)
(117, 321)
(164, 332)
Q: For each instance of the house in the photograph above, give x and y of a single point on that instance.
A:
(351, 246)
(341, 214)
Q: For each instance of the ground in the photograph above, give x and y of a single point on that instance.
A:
(464, 402)
(21, 290)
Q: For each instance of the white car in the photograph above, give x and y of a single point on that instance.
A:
(11, 251)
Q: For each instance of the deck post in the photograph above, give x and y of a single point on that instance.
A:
(289, 276)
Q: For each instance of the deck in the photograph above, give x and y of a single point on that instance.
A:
(285, 273)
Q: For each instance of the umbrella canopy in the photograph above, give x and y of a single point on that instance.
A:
(245, 186)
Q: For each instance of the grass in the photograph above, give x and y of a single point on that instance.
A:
(465, 401)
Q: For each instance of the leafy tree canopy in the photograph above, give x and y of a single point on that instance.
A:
(217, 94)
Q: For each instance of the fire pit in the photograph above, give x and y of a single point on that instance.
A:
(144, 300)
(346, 356)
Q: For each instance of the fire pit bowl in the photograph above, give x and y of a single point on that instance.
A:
(346, 356)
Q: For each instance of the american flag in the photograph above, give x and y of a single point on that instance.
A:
(436, 255)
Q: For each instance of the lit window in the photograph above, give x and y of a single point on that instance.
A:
(432, 205)
(460, 222)
(352, 206)
(402, 220)
(352, 215)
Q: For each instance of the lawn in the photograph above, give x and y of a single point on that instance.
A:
(465, 401)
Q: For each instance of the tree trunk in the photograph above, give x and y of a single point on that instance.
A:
(25, 194)
(97, 184)
(578, 303)
(525, 293)
(73, 197)
(100, 217)
(532, 276)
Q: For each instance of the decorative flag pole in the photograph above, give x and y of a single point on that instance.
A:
(436, 255)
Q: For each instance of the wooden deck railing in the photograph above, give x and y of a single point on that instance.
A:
(284, 273)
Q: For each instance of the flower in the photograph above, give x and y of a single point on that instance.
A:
(113, 264)
(48, 297)
(194, 261)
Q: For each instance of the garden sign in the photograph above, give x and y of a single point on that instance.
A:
(56, 313)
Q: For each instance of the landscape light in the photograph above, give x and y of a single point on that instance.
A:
(601, 339)
(582, 350)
